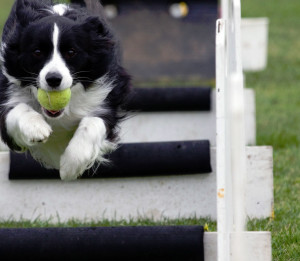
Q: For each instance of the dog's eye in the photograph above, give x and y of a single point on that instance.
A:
(70, 53)
(37, 53)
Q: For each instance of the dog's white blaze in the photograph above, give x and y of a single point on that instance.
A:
(60, 9)
(56, 64)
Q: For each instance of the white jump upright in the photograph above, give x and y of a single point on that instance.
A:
(231, 142)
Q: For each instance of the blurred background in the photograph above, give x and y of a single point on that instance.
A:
(277, 89)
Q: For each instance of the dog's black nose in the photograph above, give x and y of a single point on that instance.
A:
(53, 79)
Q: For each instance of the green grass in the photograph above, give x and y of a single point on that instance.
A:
(278, 119)
(5, 5)
(209, 225)
(278, 124)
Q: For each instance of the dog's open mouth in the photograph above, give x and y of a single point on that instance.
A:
(53, 114)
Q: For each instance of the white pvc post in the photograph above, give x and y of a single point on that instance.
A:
(236, 36)
(224, 212)
(237, 128)
(230, 135)
(238, 165)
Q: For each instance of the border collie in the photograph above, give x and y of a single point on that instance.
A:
(54, 47)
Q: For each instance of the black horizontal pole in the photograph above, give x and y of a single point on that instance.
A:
(103, 243)
(130, 160)
(170, 99)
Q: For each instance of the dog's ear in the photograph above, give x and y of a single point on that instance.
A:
(94, 24)
(30, 11)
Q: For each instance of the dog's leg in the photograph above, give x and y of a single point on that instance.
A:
(84, 149)
(26, 126)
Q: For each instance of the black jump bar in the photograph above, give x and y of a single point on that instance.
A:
(170, 99)
(130, 160)
(103, 243)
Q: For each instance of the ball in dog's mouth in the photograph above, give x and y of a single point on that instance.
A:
(53, 102)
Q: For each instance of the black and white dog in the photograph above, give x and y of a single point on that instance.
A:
(54, 47)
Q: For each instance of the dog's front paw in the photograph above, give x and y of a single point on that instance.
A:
(26, 126)
(34, 129)
(84, 148)
(78, 157)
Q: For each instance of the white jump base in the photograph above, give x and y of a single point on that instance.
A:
(133, 198)
(254, 43)
(259, 245)
(189, 125)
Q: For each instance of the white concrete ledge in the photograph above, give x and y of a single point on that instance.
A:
(126, 198)
(258, 246)
(190, 125)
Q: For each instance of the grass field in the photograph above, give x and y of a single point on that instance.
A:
(278, 124)
(278, 119)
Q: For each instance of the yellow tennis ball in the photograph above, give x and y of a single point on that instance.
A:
(54, 100)
(184, 9)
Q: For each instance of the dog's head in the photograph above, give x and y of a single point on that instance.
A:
(55, 47)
